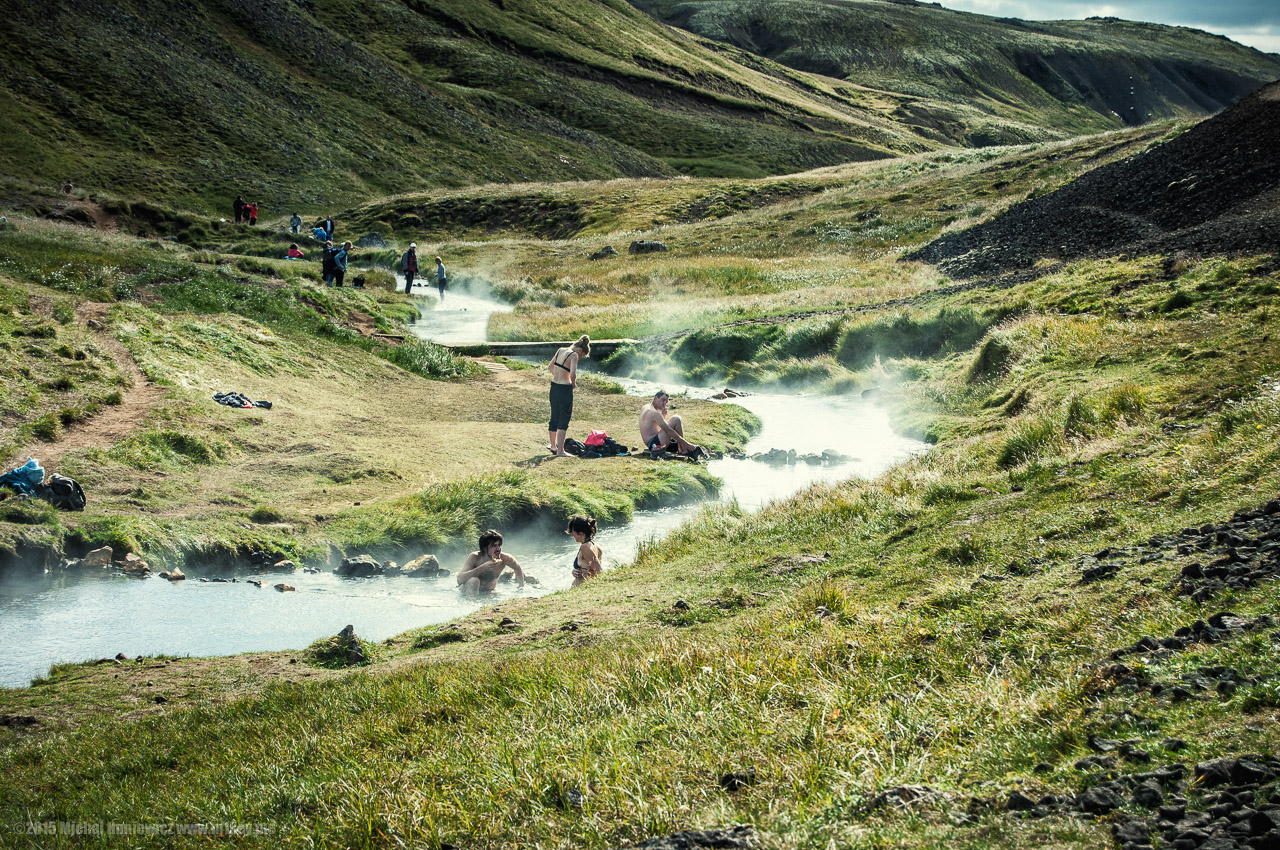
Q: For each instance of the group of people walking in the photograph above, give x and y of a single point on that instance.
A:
(245, 213)
(409, 267)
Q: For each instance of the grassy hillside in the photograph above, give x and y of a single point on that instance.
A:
(322, 104)
(314, 104)
(973, 79)
(1017, 639)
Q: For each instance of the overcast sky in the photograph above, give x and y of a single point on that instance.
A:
(1252, 22)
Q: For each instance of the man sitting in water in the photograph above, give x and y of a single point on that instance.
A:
(481, 570)
(660, 432)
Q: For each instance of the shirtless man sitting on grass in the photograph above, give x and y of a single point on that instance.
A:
(481, 570)
(660, 432)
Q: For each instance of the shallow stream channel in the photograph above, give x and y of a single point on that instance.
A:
(79, 615)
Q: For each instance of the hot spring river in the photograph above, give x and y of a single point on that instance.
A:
(76, 615)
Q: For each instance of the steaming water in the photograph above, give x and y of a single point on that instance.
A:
(460, 317)
(80, 615)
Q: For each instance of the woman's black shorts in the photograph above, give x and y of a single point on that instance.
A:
(561, 407)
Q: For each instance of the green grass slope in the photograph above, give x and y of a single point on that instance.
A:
(313, 104)
(975, 79)
(988, 634)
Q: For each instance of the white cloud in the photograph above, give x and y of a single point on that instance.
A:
(1252, 22)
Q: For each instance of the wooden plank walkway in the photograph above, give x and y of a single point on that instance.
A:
(599, 347)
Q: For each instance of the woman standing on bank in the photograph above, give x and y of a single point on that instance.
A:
(564, 377)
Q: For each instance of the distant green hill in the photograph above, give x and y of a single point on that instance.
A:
(1086, 75)
(322, 102)
(317, 104)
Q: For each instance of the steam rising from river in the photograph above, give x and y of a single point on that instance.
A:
(73, 616)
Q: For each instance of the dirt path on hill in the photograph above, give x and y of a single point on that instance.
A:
(112, 423)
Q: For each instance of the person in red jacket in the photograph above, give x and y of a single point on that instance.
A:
(253, 212)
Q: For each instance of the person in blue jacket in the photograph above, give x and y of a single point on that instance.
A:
(319, 235)
(340, 263)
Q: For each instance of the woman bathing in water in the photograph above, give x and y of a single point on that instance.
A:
(564, 377)
(481, 570)
(587, 563)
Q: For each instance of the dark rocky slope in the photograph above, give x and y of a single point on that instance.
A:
(1214, 189)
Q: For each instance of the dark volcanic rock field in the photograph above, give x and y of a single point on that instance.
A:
(1214, 189)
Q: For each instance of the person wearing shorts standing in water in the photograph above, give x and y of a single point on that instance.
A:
(588, 562)
(481, 570)
(442, 278)
(665, 433)
(564, 377)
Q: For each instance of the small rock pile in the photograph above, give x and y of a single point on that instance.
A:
(729, 838)
(1219, 627)
(1237, 554)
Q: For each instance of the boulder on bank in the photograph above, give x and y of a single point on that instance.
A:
(425, 566)
(604, 253)
(371, 240)
(132, 565)
(641, 246)
(360, 566)
(175, 574)
(98, 558)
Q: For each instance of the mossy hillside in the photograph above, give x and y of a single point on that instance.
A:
(1080, 76)
(961, 649)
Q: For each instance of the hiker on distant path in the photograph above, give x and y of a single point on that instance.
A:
(340, 263)
(588, 562)
(564, 377)
(326, 263)
(409, 265)
(660, 432)
(481, 570)
(294, 253)
(295, 223)
(442, 279)
(252, 210)
(328, 227)
(238, 209)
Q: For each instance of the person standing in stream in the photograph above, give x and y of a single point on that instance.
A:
(564, 377)
(409, 265)
(442, 279)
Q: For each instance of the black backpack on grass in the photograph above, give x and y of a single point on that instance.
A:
(63, 493)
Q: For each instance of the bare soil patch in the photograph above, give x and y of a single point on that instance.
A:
(112, 423)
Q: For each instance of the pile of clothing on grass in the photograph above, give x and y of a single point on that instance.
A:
(597, 444)
(239, 400)
(28, 480)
